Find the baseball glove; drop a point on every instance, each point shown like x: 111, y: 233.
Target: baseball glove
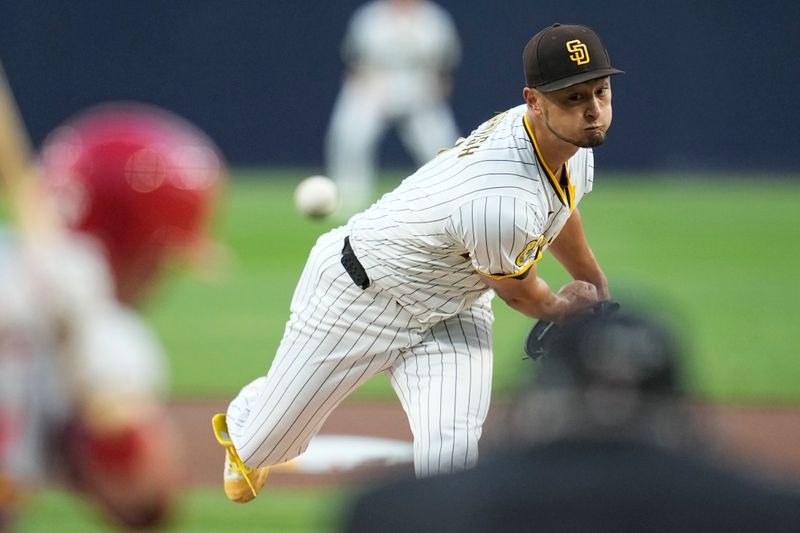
x: 544, y: 333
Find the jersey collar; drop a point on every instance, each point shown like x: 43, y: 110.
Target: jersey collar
x: 563, y: 188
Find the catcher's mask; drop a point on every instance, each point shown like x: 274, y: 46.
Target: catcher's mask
x: 606, y: 375
x: 138, y: 178
x: 619, y: 351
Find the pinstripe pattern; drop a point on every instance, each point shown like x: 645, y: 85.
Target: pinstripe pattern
x: 444, y: 383
x: 337, y: 337
x: 426, y: 241
x: 486, y: 205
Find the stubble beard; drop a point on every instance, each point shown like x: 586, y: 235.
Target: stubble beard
x: 598, y: 138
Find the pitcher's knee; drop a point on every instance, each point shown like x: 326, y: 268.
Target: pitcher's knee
x: 446, y: 456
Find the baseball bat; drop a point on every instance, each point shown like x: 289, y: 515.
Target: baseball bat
x: 33, y: 217
x: 28, y: 209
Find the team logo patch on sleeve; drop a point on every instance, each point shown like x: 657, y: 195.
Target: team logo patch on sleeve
x: 532, y: 250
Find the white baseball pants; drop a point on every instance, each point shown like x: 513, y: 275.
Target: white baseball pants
x: 337, y: 337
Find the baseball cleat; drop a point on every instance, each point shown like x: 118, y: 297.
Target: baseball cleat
x: 241, y: 483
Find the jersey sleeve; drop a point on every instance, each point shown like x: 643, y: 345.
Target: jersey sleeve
x: 503, y: 235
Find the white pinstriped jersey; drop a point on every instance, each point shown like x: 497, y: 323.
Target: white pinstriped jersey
x: 488, y: 205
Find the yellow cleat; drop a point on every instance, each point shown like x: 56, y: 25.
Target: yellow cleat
x: 241, y: 482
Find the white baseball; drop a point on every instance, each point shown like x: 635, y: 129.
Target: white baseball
x: 316, y: 196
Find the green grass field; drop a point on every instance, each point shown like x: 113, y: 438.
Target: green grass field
x: 199, y: 511
x: 717, y: 257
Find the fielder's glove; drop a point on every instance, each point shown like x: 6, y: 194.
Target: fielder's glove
x: 544, y: 333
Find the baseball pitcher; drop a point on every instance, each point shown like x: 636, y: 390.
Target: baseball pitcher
x: 405, y: 287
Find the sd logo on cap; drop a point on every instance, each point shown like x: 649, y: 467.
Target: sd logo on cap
x: 563, y: 55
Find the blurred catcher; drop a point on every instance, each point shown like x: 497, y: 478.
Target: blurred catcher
x: 84, y: 378
x: 602, y: 441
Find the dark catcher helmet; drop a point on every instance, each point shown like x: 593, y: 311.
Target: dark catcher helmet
x: 620, y: 351
x: 616, y: 375
x: 142, y: 180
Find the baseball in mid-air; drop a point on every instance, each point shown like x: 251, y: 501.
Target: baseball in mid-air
x: 316, y: 196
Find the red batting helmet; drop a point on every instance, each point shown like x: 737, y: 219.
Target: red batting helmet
x: 140, y: 179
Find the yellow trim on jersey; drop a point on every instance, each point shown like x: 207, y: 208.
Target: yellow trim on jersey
x: 515, y: 274
x: 568, y: 198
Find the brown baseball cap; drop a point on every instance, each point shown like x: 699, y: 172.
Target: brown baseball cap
x: 562, y: 55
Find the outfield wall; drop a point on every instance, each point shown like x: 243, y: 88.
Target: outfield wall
x: 708, y: 87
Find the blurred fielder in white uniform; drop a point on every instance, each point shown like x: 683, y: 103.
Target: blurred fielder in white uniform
x: 83, y: 379
x: 399, y: 55
x: 405, y: 287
